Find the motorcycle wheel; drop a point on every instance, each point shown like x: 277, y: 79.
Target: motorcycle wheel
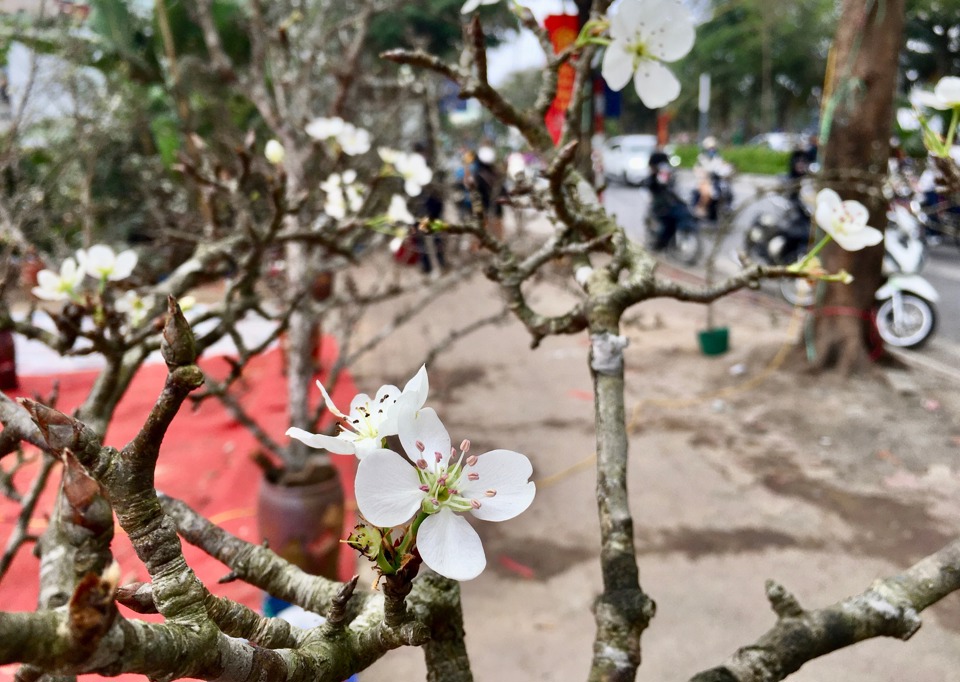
x: 798, y: 291
x: 911, y: 325
x: 687, y: 246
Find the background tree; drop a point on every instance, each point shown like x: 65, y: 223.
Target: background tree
x: 856, y: 126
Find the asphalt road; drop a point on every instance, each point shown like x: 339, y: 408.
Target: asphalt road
x: 942, y: 267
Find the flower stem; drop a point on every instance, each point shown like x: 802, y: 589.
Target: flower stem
x: 806, y: 260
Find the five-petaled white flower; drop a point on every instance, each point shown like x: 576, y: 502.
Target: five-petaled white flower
x: 440, y: 485
x: 342, y: 192
x: 945, y: 95
x: 52, y: 286
x: 101, y: 262
x: 471, y: 5
x: 362, y: 430
x: 398, y: 212
x: 644, y: 34
x: 845, y: 221
x: 411, y: 167
x: 353, y: 140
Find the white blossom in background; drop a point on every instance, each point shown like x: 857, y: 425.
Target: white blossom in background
x: 135, y: 307
x: 845, y: 221
x: 398, y: 212
x: 274, y: 152
x: 369, y: 421
x: 411, y: 167
x: 52, y: 286
x: 945, y: 95
x: 325, y: 128
x: 101, y: 262
x: 440, y: 484
x: 353, y: 140
x: 473, y: 5
x: 644, y: 34
x: 342, y: 193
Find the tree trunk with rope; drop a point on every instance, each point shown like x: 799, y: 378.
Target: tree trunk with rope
x: 860, y: 89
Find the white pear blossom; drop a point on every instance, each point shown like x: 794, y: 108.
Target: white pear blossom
x: 472, y: 5
x: 353, y: 140
x: 369, y: 421
x: 274, y: 152
x: 411, y: 167
x: 845, y: 221
x: 325, y: 128
x: 644, y: 34
x: 945, y: 95
x: 398, y: 212
x: 135, y: 307
x: 441, y: 485
x: 52, y: 286
x: 342, y: 193
x: 101, y: 262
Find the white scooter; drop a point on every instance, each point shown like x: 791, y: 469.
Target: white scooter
x: 906, y: 313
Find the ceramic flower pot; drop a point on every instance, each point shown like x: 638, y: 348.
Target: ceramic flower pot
x: 303, y: 523
x: 714, y: 341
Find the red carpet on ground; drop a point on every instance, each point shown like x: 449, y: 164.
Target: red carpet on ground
x: 205, y: 460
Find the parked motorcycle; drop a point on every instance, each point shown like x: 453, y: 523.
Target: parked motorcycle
x: 780, y: 235
x: 906, y: 313
x: 685, y: 244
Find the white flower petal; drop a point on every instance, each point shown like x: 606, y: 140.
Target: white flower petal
x: 857, y: 211
x: 948, y: 91
x: 469, y: 6
x: 424, y: 426
x: 124, y: 265
x: 419, y: 385
x: 337, y: 446
x: 617, y: 66
x: 669, y: 32
x: 923, y: 98
x: 387, y: 396
x: 862, y: 238
x: 627, y: 21
x: 329, y: 403
x: 507, y: 472
x: 387, y: 488
x: 450, y: 546
x: 412, y: 188
x: 48, y: 280
x: 656, y: 84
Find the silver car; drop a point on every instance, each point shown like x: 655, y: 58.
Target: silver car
x: 626, y: 158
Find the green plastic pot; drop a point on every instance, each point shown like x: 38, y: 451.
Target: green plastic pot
x: 714, y: 341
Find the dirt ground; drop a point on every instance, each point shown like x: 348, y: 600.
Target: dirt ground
x: 741, y: 470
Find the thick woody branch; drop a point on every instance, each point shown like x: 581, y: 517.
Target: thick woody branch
x: 888, y: 608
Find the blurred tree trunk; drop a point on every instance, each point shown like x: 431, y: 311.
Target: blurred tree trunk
x: 861, y: 87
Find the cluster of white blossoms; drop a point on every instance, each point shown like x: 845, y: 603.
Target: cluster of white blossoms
x: 99, y: 262
x: 343, y: 193
x: 414, y: 503
x: 352, y: 140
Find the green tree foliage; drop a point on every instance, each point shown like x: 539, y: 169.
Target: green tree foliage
x: 932, y: 37
x: 734, y: 45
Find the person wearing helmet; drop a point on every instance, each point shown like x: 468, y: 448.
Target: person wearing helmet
x: 711, y: 173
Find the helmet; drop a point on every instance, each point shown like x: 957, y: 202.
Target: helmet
x: 709, y: 142
x: 486, y: 155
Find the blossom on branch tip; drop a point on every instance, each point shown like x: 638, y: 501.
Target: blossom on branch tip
x: 845, y: 221
x: 411, y: 167
x: 134, y: 307
x: 644, y: 34
x: 438, y: 487
x: 52, y: 286
x: 368, y: 422
x: 101, y: 262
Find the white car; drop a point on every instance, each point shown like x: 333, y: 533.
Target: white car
x: 626, y: 158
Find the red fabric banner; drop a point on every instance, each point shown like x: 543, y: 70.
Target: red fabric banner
x: 563, y: 30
